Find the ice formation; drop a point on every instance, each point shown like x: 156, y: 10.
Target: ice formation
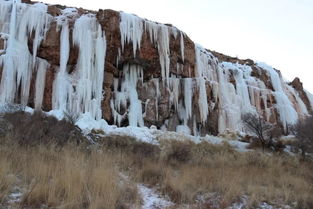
x: 81, y: 91
x: 18, y: 63
x: 159, y: 35
x: 182, y: 46
x: 180, y: 101
x: 131, y: 28
x: 132, y: 74
x: 188, y: 95
x: 203, y: 100
x: 287, y: 113
x: 42, y: 66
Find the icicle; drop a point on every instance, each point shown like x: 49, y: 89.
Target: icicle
x: 195, y: 128
x: 40, y: 82
x: 116, y: 116
x: 34, y: 19
x: 241, y: 85
x: 174, y: 31
x: 299, y: 104
x: 188, y: 91
x: 131, y: 28
x: 182, y: 46
x: 5, y: 9
x: 157, y: 96
x: 175, y: 91
x: 287, y: 113
x: 133, y: 74
x: 229, y: 104
x: 88, y: 36
x: 8, y: 83
x: 202, y: 72
x: 203, y: 66
x: 62, y: 88
x: 159, y: 34
x: 81, y: 92
x: 18, y: 64
x: 203, y: 101
x: 164, y: 52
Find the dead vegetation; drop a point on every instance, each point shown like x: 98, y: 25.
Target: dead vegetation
x: 67, y: 175
x: 64, y: 178
x: 217, y: 169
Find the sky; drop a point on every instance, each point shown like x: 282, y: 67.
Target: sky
x: 277, y: 32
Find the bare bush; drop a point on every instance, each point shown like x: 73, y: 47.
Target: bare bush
x: 71, y: 116
x: 304, y: 134
x: 255, y: 124
x: 38, y: 128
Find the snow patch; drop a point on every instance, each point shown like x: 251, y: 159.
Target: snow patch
x: 151, y: 199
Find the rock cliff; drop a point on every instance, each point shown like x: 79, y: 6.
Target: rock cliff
x: 132, y: 71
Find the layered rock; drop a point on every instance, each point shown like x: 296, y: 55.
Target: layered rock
x: 132, y: 71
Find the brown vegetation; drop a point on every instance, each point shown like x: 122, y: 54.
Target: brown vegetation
x: 64, y: 178
x: 304, y: 133
x: 84, y: 176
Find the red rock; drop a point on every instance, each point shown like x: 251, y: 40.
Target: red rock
x: 148, y: 58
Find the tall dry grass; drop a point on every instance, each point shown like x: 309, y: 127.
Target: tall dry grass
x: 64, y: 178
x: 186, y: 172
x: 72, y: 176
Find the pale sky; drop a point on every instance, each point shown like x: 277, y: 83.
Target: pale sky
x: 278, y: 32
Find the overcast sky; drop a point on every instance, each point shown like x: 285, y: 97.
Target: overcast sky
x: 278, y: 32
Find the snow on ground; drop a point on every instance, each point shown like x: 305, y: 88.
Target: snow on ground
x: 15, y: 196
x: 149, y: 135
x: 151, y: 199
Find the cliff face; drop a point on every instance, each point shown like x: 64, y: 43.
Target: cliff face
x: 132, y: 71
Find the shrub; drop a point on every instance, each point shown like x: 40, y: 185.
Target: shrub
x: 265, y: 132
x: 304, y: 134
x: 38, y: 128
x: 178, y: 151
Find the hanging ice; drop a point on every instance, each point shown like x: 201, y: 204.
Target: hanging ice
x: 131, y: 28
x: 62, y: 87
x: 42, y: 66
x: 241, y: 84
x: 81, y: 91
x: 298, y: 103
x: 89, y: 37
x: 229, y: 105
x: 175, y: 92
x: 203, y: 67
x: 287, y: 113
x: 159, y: 35
x: 132, y: 74
x: 18, y: 63
x: 203, y: 100
x: 182, y: 46
x: 202, y: 72
x: 188, y: 91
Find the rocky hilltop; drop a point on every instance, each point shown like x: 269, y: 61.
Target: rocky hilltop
x: 132, y: 71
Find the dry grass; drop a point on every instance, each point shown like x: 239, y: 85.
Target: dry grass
x: 76, y: 177
x: 217, y: 169
x: 66, y: 178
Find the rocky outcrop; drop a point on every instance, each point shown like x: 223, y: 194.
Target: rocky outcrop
x: 297, y: 85
x: 152, y: 74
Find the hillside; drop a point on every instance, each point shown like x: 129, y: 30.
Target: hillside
x: 46, y: 163
x: 134, y: 72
